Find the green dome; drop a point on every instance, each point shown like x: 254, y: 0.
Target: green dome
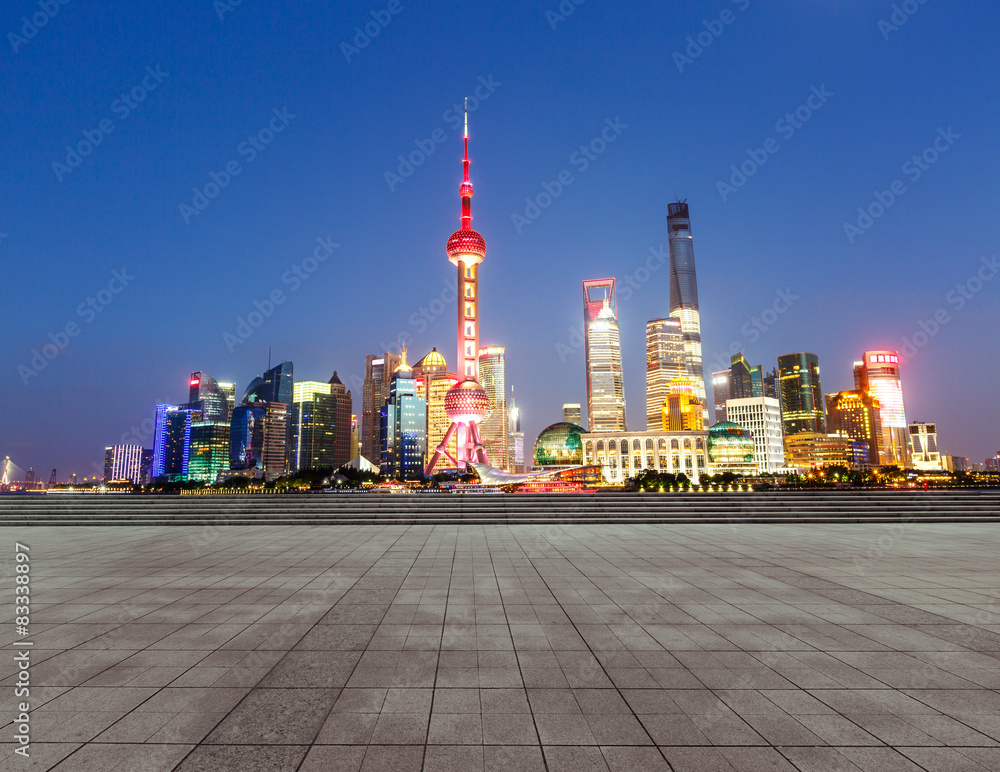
x: 560, y: 445
x: 729, y: 444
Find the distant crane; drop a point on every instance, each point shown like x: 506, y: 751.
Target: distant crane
x: 52, y: 479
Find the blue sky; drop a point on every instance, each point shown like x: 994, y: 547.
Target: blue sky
x: 187, y: 94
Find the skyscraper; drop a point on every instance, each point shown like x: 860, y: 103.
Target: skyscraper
x: 745, y: 380
x: 404, y: 426
x: 515, y: 461
x: 664, y: 362
x: 257, y: 439
x: 879, y: 373
x: 172, y: 442
x: 684, y: 292
x: 856, y: 414
x: 572, y: 413
x: 209, y: 397
x: 802, y: 406
x: 433, y: 383
x: 343, y: 404
x: 209, y: 453
x: 123, y: 462
x: 602, y: 341
x: 720, y: 393
x: 467, y: 402
x: 275, y: 386
x: 378, y: 372
x: 923, y: 440
x: 313, y: 426
x: 761, y: 416
x: 682, y: 410
x: 493, y: 429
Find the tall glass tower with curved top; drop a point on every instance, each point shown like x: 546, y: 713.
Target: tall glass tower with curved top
x: 684, y: 293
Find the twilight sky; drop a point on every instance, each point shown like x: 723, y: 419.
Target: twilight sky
x: 301, y: 121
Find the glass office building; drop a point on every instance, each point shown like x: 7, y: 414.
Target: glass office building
x: 802, y: 405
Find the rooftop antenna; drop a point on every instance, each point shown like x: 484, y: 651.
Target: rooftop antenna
x: 268, y: 357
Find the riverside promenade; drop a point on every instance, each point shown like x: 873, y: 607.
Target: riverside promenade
x: 864, y: 638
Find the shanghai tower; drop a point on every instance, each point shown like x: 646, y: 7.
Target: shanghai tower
x: 684, y: 293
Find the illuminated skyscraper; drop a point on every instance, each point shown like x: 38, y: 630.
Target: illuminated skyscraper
x: 879, y: 373
x: 209, y: 452
x: 515, y: 446
x: 493, y: 429
x: 664, y: 362
x: 923, y: 440
x: 856, y: 414
x: 343, y: 404
x: 720, y: 393
x: 573, y: 413
x: 257, y: 439
x: 210, y: 398
x: 682, y: 410
x: 355, y: 438
x: 802, y: 406
x: 467, y: 402
x: 275, y: 386
x: 684, y: 292
x: 761, y: 416
x: 172, y: 442
x: 313, y: 426
x: 605, y: 380
x: 404, y: 426
x: 378, y: 372
x: 123, y: 462
x: 433, y: 384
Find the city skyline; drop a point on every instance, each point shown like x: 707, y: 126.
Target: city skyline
x: 108, y: 378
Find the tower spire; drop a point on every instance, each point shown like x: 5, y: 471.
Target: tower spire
x: 466, y: 188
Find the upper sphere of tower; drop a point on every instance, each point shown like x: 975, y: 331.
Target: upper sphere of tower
x: 466, y: 241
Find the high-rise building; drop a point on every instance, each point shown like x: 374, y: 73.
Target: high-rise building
x: 404, y: 426
x: 343, y: 404
x: 684, y: 293
x: 275, y: 386
x: 772, y: 386
x: 879, y: 373
x: 378, y: 373
x: 682, y: 410
x: 573, y: 413
x: 493, y: 428
x: 605, y: 380
x: 313, y: 426
x: 515, y: 445
x: 923, y: 440
x: 802, y: 406
x: 146, y: 466
x: 123, y: 462
x: 665, y: 361
x: 745, y: 381
x: 355, y: 438
x: 808, y: 450
x: 856, y: 414
x: 210, y: 398
x: 720, y: 393
x: 433, y: 384
x: 467, y: 402
x: 209, y: 452
x: 761, y: 416
x: 257, y: 440
x: 172, y: 442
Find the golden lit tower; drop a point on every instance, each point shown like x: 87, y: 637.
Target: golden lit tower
x: 467, y: 402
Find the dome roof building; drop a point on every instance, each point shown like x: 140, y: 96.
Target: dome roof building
x: 559, y: 445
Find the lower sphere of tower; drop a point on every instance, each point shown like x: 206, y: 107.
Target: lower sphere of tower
x: 466, y: 401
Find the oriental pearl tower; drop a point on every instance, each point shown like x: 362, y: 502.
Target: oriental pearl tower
x: 466, y: 403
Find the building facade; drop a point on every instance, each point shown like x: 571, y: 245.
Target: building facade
x: 172, y: 442
x: 572, y: 413
x: 605, y: 379
x: 802, y: 405
x: 123, y: 462
x: 682, y: 410
x: 856, y: 414
x: 404, y: 426
x: 314, y: 420
x: 879, y: 373
x: 684, y: 293
x: 257, y: 439
x: 665, y: 361
x: 923, y: 441
x: 745, y: 380
x: 761, y: 417
x: 493, y: 429
x: 209, y: 452
x: 622, y: 455
x: 808, y: 450
x: 720, y: 393
x: 516, y: 463
x: 214, y: 400
x: 374, y: 393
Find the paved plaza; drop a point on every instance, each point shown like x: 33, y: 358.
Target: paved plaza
x: 572, y: 648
